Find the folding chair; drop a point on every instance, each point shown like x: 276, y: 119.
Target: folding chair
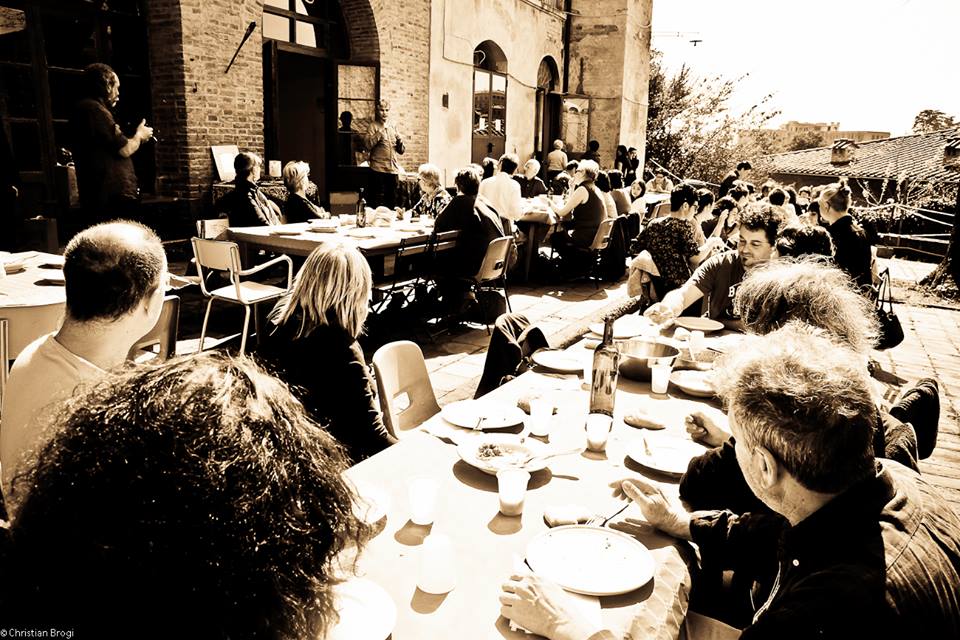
x: 225, y: 256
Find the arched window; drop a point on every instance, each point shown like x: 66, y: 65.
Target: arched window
x: 489, y: 101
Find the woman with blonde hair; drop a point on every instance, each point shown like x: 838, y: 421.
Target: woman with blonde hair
x: 852, y: 249
x: 435, y: 198
x: 297, y: 208
x: 313, y: 347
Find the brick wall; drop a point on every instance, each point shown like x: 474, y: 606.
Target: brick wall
x: 404, y: 30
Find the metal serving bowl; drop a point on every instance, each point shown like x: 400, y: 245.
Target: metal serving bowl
x: 638, y: 355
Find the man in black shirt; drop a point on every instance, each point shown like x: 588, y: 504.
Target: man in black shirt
x: 102, y: 154
x: 856, y: 547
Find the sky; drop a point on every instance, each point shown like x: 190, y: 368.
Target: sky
x: 868, y: 64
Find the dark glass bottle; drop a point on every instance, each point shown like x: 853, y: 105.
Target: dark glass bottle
x: 606, y: 369
x: 361, y: 210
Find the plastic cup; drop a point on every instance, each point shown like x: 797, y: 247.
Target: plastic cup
x: 541, y: 414
x: 598, y: 430
x: 512, y: 489
x: 660, y: 378
x: 423, y: 500
x: 695, y: 343
x: 437, y: 565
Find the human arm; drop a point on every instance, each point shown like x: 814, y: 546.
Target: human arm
x: 711, y: 431
x: 674, y: 303
x: 578, y: 197
x: 133, y: 143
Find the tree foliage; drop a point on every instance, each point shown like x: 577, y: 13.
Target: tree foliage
x: 691, y: 129
x: 805, y: 140
x: 930, y: 120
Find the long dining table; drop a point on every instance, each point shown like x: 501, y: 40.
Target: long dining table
x: 487, y: 544
x: 32, y: 300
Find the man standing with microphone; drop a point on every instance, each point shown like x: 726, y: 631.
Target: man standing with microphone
x: 102, y: 153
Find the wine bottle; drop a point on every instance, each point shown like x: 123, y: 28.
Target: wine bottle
x: 361, y: 210
x: 606, y: 369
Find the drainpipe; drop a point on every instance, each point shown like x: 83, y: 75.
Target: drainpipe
x: 567, y: 9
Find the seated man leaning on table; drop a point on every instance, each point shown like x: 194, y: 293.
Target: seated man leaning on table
x: 247, y: 205
x: 719, y: 277
x: 115, y: 275
x: 856, y: 547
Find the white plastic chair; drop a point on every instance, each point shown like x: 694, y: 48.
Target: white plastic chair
x: 493, y: 270
x: 407, y: 398
x: 225, y: 256
x: 163, y: 334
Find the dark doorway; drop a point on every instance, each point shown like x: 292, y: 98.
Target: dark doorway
x: 301, y: 112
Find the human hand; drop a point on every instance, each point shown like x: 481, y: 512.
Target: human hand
x: 144, y: 132
x: 657, y: 508
x: 544, y: 608
x: 703, y: 428
x: 659, y: 313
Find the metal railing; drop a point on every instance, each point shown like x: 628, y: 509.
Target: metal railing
x: 930, y: 244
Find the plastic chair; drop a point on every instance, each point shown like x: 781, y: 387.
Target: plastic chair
x: 225, y: 256
x: 601, y: 240
x: 163, y: 334
x: 343, y: 202
x: 213, y: 228
x: 493, y: 269
x: 407, y: 398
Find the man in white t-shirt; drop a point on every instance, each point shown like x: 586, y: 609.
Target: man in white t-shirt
x: 503, y: 192
x: 115, y: 276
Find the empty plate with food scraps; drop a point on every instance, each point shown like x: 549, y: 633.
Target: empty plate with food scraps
x: 664, y: 453
x: 594, y: 561
x: 482, y: 415
x: 491, y: 453
x: 694, y: 383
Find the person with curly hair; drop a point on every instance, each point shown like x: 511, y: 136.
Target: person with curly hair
x: 194, y: 499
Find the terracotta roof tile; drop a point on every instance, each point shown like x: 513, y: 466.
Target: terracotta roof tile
x: 917, y: 157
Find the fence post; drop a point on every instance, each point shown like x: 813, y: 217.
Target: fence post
x: 896, y: 211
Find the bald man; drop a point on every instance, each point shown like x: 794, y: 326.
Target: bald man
x: 115, y: 277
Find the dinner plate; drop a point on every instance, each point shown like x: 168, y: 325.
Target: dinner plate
x: 625, y: 327
x: 13, y: 267
x: 409, y: 227
x: 698, y: 324
x: 366, y: 611
x: 693, y: 383
x: 593, y: 561
x: 558, y: 360
x: 482, y: 415
x: 727, y: 343
x: 284, y: 232
x: 667, y: 454
x: 490, y: 453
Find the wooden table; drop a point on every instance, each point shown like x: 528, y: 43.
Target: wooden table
x: 486, y: 542
x: 31, y: 304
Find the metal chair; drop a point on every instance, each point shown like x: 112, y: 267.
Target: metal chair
x: 163, y: 334
x: 225, y: 256
x: 406, y: 395
x: 404, y: 277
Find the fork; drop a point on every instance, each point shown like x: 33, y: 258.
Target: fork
x: 601, y: 521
